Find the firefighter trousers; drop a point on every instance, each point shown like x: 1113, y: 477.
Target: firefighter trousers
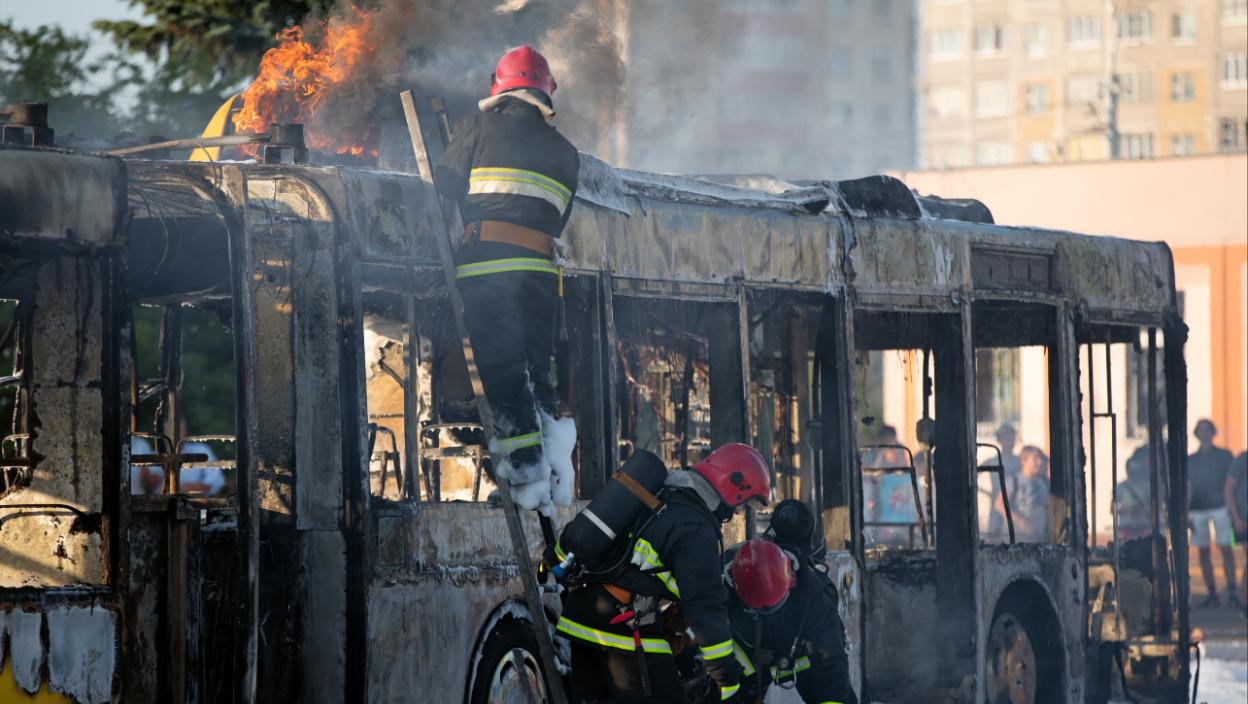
x: 510, y: 309
x: 612, y: 675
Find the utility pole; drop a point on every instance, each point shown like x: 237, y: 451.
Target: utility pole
x: 1111, y: 130
x: 1113, y: 84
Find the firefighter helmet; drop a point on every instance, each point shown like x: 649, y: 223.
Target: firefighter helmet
x: 737, y: 473
x: 522, y: 67
x: 762, y: 574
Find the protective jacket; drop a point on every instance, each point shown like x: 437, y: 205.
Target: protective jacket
x: 801, y: 644
x: 673, y: 556
x: 506, y: 163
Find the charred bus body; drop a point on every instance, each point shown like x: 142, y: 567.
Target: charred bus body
x: 352, y: 555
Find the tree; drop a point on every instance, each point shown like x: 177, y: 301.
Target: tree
x: 45, y: 64
x: 207, y: 44
x: 201, y: 51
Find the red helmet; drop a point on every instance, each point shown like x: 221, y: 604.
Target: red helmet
x: 762, y: 575
x: 737, y: 473
x: 522, y: 67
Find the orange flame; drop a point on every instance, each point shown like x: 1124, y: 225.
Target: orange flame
x: 294, y: 76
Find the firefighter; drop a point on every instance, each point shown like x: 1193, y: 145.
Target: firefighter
x: 786, y: 626
x: 672, y: 554
x: 513, y: 176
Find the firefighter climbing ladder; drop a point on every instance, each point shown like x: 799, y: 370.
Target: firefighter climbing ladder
x: 449, y: 215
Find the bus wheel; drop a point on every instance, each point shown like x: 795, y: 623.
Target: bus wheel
x: 1011, y: 666
x: 510, y: 670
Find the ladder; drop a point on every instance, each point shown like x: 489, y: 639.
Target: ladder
x: 448, y: 213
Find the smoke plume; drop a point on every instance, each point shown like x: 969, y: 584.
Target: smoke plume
x: 448, y: 48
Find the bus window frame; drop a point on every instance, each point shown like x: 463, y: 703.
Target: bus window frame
x: 1063, y: 425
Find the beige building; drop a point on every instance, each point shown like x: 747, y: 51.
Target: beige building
x: 1022, y: 81
x: 1199, y: 206
x: 796, y: 88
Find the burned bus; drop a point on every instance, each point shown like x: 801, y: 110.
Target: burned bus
x: 324, y: 530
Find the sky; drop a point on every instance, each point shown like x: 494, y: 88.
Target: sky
x: 73, y: 15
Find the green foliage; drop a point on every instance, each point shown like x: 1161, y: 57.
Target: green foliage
x: 207, y: 373
x: 207, y: 392
x: 46, y: 64
x: 197, y: 54
x: 209, y: 43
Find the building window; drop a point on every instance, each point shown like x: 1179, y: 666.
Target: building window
x: 843, y: 115
x: 1036, y: 97
x: 1182, y: 144
x: 946, y: 156
x: 992, y: 153
x: 1135, y: 86
x: 991, y: 99
x: 1036, y: 39
x: 840, y: 63
x: 1086, y: 148
x: 1081, y: 90
x: 990, y: 40
x: 840, y: 9
x: 1232, y: 134
x: 882, y: 116
x: 1234, y: 11
x: 1183, y: 26
x: 1234, y: 70
x: 945, y: 44
x: 1182, y: 87
x: 1038, y: 153
x: 1137, y: 146
x: 947, y: 101
x: 882, y: 65
x: 1083, y: 32
x: 883, y: 8
x: 1135, y: 26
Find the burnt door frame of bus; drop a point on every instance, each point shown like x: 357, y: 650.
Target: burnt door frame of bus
x: 813, y: 307
x: 1175, y: 371
x: 1061, y: 362
x: 730, y: 302
x: 957, y: 561
x: 233, y: 189
x: 1174, y: 333
x: 115, y: 484
x: 838, y: 437
x: 114, y: 516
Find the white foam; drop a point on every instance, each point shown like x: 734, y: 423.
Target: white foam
x: 534, y: 496
x: 558, y: 442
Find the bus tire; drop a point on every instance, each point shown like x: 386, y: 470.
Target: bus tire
x: 509, y: 666
x: 1022, y: 655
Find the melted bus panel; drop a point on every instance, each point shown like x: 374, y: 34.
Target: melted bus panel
x: 351, y: 552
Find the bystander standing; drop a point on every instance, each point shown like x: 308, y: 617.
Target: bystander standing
x: 1207, y: 512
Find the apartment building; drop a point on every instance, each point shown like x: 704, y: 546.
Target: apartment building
x: 795, y: 88
x: 1034, y: 81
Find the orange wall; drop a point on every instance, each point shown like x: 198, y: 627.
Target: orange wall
x: 1197, y: 205
x: 1226, y: 355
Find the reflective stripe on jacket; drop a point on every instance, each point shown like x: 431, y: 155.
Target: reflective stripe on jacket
x: 678, y: 552
x: 508, y: 164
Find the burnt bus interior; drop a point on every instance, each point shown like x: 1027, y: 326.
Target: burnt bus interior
x: 1135, y: 587
x: 247, y: 323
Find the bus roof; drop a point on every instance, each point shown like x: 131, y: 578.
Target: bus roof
x: 871, y: 235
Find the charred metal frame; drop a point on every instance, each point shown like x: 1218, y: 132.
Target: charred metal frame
x: 964, y: 588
